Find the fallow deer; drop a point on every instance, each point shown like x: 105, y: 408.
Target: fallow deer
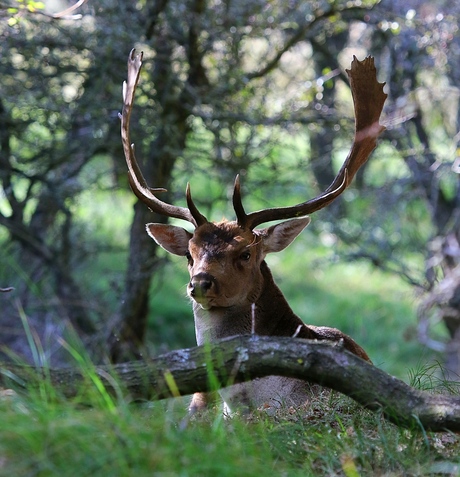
x: 231, y: 286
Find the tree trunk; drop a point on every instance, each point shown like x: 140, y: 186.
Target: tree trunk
x: 127, y: 335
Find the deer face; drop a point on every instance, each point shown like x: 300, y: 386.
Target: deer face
x: 224, y: 259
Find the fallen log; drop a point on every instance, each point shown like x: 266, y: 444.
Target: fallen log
x: 242, y: 358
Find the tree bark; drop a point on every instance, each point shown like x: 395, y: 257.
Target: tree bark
x: 242, y: 358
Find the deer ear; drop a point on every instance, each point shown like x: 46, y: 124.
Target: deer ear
x: 173, y: 239
x: 279, y: 236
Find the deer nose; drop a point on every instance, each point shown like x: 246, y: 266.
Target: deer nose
x: 200, y: 284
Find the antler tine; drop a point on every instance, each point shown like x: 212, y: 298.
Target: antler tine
x: 368, y: 99
x: 136, y: 179
x: 200, y: 219
x: 241, y: 216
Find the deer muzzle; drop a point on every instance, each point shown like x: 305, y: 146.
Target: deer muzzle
x: 200, y: 285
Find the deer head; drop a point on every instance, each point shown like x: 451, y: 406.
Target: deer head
x: 225, y: 258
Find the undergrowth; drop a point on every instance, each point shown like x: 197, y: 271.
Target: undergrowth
x: 98, y: 434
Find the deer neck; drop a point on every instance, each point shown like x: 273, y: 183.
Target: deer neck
x: 269, y: 314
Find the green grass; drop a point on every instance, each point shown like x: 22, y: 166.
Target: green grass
x: 332, y: 436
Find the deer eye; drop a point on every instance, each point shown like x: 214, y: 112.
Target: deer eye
x: 245, y: 256
x: 189, y: 258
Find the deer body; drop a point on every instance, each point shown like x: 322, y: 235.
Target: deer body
x: 234, y: 293
x: 231, y: 286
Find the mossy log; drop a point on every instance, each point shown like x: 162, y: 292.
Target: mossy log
x: 242, y: 358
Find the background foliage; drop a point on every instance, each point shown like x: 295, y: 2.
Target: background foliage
x: 256, y: 88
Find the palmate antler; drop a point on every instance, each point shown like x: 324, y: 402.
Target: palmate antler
x: 368, y: 99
